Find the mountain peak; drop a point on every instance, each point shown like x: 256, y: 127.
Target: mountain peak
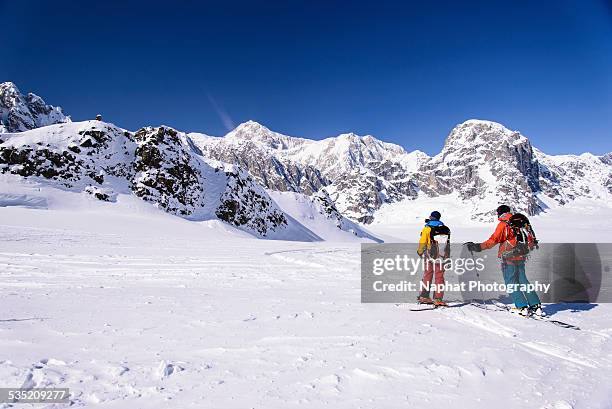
x: 481, y: 125
x: 9, y: 86
x: 250, y: 124
x: 21, y: 113
x: 349, y: 136
x: 249, y: 130
x: 255, y: 132
x: 477, y: 132
x: 484, y: 122
x: 353, y: 137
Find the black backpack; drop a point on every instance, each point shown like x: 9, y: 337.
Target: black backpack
x: 525, y: 236
x: 434, y: 251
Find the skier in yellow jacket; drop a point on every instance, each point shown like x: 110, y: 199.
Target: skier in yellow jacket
x: 433, y: 264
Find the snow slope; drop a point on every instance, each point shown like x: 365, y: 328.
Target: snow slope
x: 320, y: 216
x: 160, y: 312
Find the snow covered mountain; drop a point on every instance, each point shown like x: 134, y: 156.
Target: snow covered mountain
x: 20, y: 112
x: 488, y: 164
x: 254, y: 148
x: 481, y: 165
x: 156, y: 164
x: 160, y: 166
x: 482, y: 161
x: 358, y: 172
x: 568, y: 177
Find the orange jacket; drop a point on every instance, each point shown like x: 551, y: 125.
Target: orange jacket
x: 502, y: 235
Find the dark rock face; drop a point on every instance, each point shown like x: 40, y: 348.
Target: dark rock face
x: 327, y: 207
x: 244, y: 204
x: 166, y: 173
x: 358, y: 195
x: 40, y: 162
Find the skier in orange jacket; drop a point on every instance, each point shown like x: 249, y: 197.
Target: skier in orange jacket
x: 513, y: 266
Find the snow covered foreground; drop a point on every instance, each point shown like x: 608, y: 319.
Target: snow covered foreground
x: 152, y: 312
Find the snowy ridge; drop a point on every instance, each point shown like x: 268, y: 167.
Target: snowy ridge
x: 485, y: 163
x: 256, y: 132
x: 20, y: 112
x: 359, y: 172
x: 567, y: 177
x: 155, y: 164
x: 159, y: 165
x: 319, y: 214
x: 481, y: 165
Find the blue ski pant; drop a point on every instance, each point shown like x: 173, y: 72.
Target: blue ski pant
x: 514, y: 273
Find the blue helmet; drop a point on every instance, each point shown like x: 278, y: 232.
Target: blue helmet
x: 435, y: 215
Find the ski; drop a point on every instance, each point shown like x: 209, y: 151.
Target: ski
x: 558, y: 323
x: 428, y: 307
x: 425, y: 307
x: 483, y: 306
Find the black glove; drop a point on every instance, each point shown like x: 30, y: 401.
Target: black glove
x: 471, y: 246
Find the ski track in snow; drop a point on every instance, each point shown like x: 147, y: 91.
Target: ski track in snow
x: 154, y: 323
x: 486, y: 323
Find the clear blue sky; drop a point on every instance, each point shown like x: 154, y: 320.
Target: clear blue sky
x: 406, y: 73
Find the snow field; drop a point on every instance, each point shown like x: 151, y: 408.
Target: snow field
x: 198, y: 317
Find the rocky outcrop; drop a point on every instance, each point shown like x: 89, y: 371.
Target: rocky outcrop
x: 20, y: 112
x: 166, y: 173
x: 245, y: 204
x: 82, y: 162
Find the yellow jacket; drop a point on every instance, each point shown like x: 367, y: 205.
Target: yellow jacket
x: 425, y: 241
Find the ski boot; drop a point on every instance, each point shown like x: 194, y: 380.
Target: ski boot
x: 537, y: 310
x: 424, y: 300
x: 522, y: 311
x: 438, y: 302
